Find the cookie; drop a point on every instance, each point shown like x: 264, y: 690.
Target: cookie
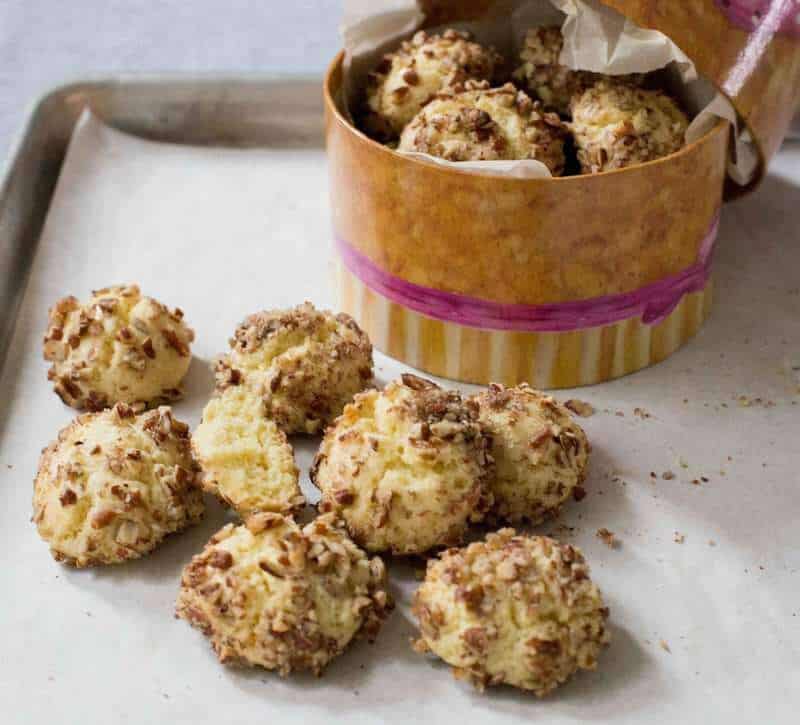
x: 487, y: 124
x: 405, y: 468
x: 114, y: 484
x: 305, y: 362
x: 422, y: 67
x: 271, y: 594
x: 540, y: 452
x: 616, y: 125
x: 118, y: 347
x: 515, y: 610
x: 245, y: 459
x: 542, y: 74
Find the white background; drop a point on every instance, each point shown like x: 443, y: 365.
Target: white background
x: 47, y: 42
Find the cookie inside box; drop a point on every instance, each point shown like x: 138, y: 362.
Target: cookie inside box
x: 528, y: 90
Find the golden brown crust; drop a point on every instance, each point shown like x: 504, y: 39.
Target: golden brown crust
x: 114, y: 484
x: 546, y: 79
x: 306, y: 363
x: 616, y: 125
x: 540, y: 453
x: 513, y: 609
x: 422, y: 67
x: 405, y: 468
x: 480, y: 123
x: 544, y: 76
x: 270, y: 594
x: 117, y: 347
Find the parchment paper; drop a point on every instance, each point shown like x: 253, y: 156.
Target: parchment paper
x: 223, y: 233
x: 596, y: 38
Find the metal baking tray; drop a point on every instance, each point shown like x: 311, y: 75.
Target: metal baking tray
x: 239, y: 111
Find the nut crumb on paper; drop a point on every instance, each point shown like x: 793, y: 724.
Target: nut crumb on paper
x: 679, y: 538
x: 746, y: 401
x: 668, y: 475
x: 580, y: 407
x: 562, y: 531
x: 641, y: 413
x: 664, y: 646
x: 609, y: 538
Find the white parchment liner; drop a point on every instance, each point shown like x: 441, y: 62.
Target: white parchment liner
x: 596, y: 38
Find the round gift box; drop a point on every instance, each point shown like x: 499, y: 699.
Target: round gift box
x: 558, y: 282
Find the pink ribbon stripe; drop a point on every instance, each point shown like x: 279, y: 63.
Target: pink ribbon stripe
x: 652, y: 303
x: 782, y: 16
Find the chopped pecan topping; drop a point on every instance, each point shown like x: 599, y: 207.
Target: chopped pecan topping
x: 103, y: 518
x: 580, y: 408
x: 147, y: 347
x: 343, y: 496
x: 220, y: 559
x: 175, y: 342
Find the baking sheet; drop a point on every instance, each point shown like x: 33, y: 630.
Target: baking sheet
x: 225, y: 232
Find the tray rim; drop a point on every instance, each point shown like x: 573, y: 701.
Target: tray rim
x: 72, y: 83
x: 35, y: 110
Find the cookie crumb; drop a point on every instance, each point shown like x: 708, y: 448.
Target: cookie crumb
x: 609, y: 538
x: 641, y: 413
x: 664, y: 646
x: 668, y: 475
x: 580, y: 408
x: 679, y: 538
